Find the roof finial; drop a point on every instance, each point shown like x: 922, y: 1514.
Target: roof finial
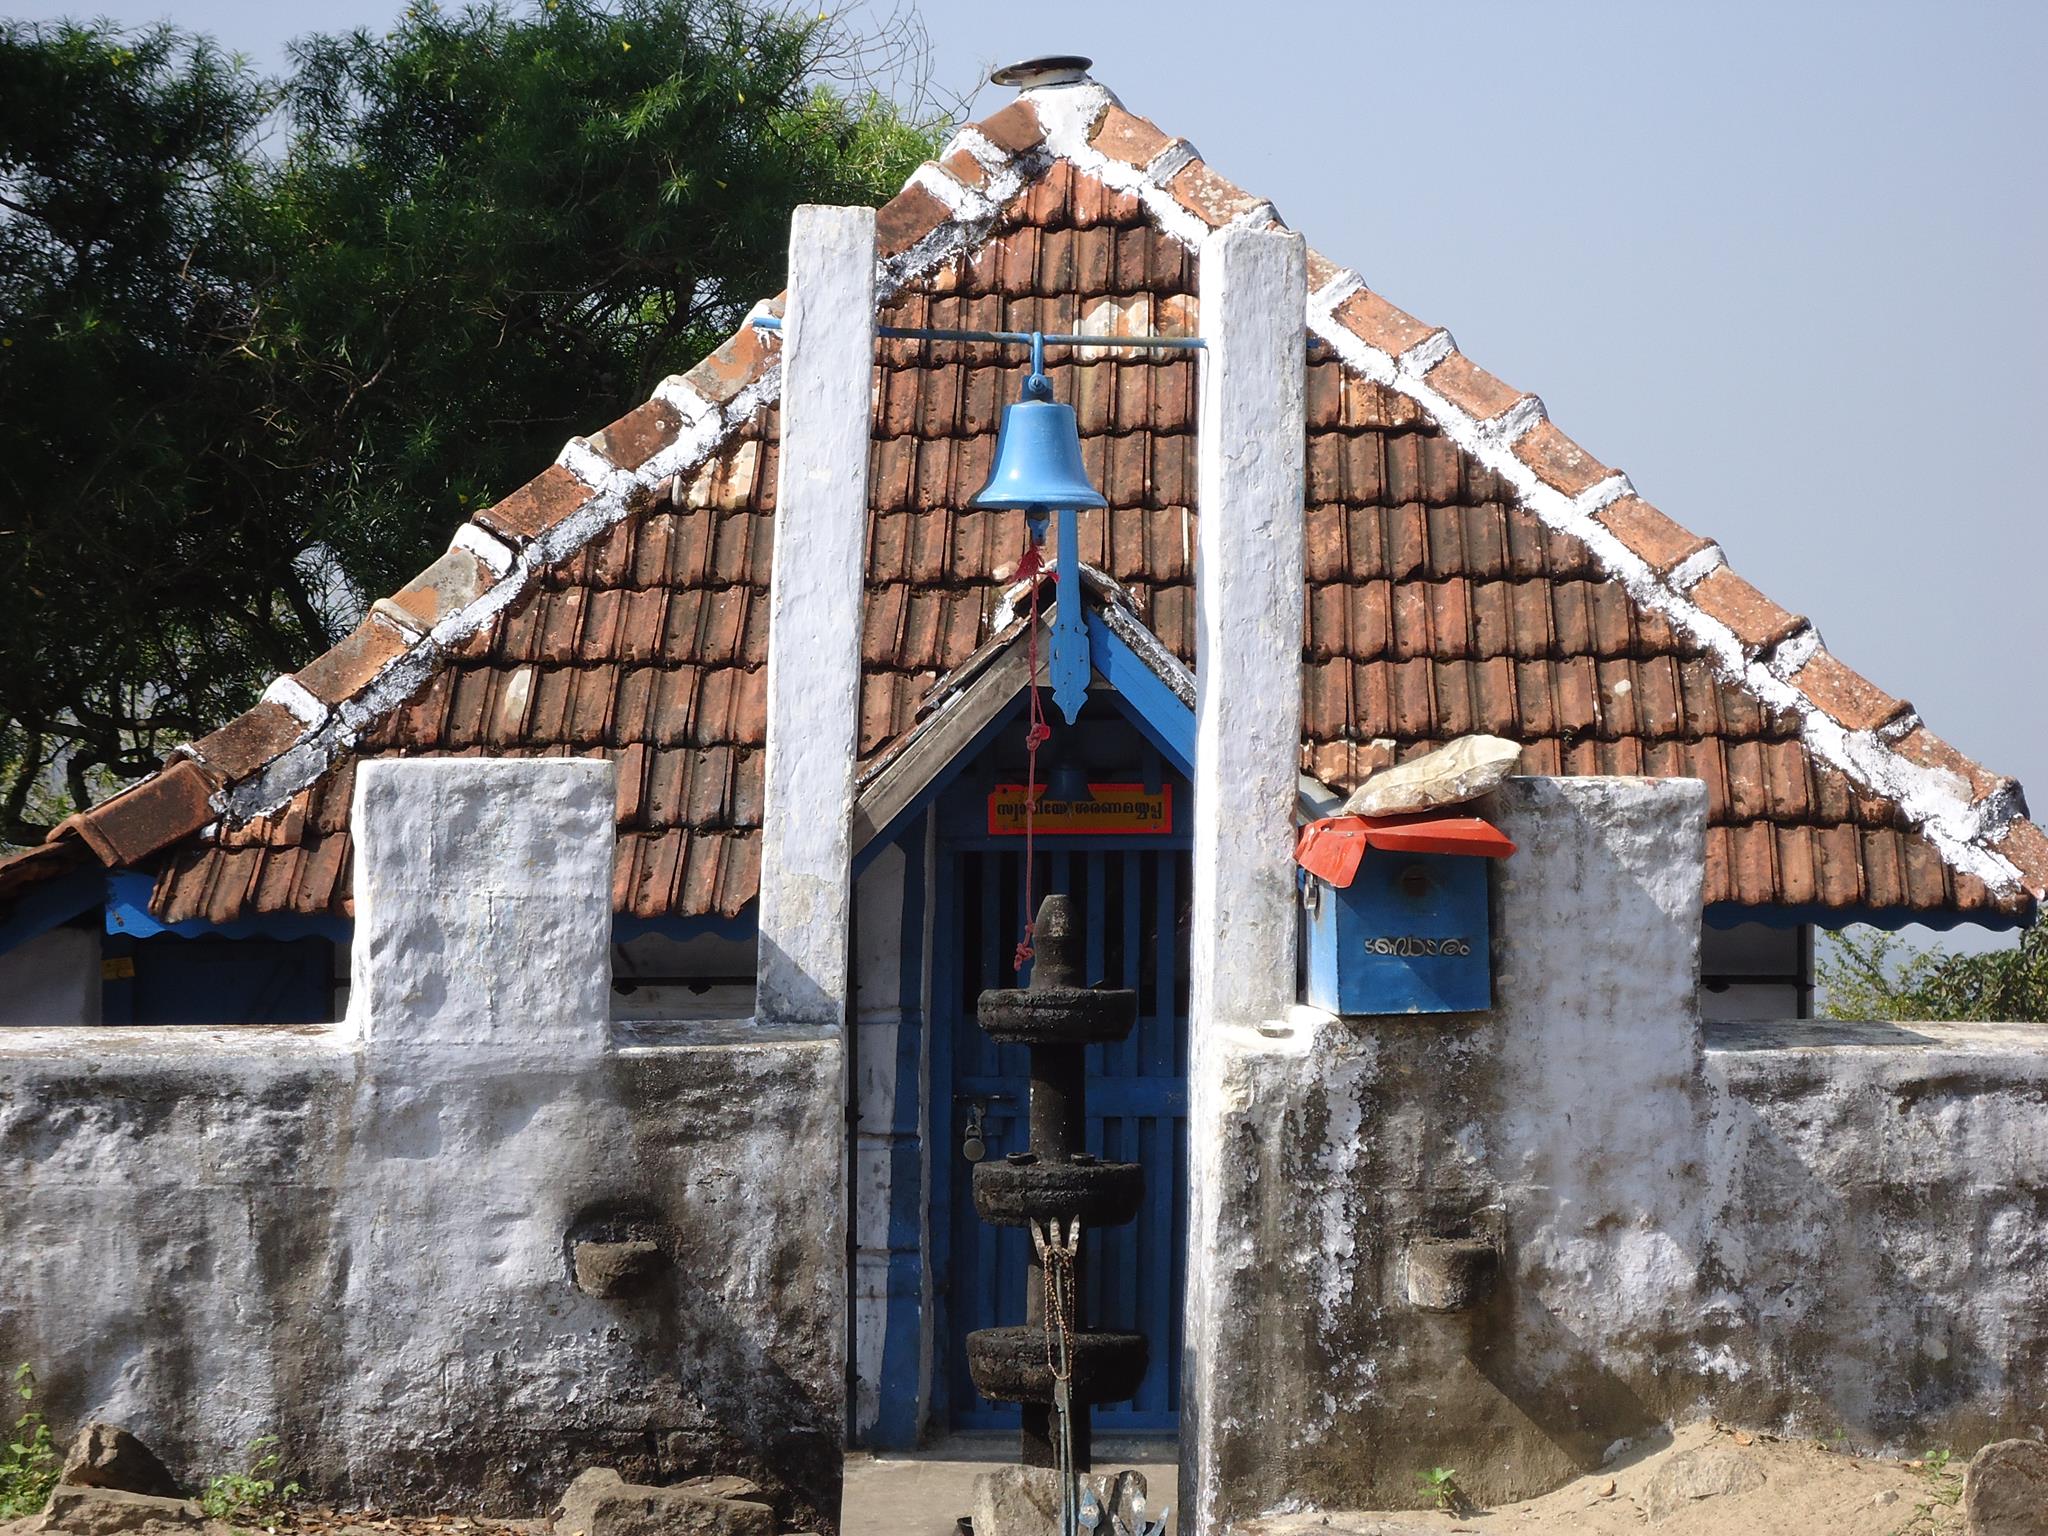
x: 1053, y: 69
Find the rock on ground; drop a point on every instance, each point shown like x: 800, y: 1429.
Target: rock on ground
x: 107, y: 1456
x: 1025, y: 1501
x: 2005, y: 1492
x: 601, y: 1503
x: 1704, y: 1472
x: 112, y: 1512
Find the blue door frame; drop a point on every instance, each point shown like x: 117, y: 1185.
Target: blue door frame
x: 1132, y: 892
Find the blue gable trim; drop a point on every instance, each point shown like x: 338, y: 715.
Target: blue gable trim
x: 128, y: 915
x: 1727, y: 914
x: 1153, y: 707
x: 740, y: 929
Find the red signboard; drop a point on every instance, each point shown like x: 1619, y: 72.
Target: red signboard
x: 1119, y: 809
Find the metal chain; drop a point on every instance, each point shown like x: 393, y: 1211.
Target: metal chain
x: 1057, y: 1262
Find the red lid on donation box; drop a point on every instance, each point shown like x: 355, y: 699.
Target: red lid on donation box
x: 1333, y: 848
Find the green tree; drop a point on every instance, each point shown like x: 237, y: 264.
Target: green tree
x: 262, y: 343
x: 1870, y: 974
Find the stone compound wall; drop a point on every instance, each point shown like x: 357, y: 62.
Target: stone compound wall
x: 1849, y: 1237
x: 360, y: 1237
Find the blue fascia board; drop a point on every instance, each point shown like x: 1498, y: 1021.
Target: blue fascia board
x: 1730, y: 914
x: 1153, y: 707
x: 127, y: 897
x: 740, y: 929
x: 50, y: 904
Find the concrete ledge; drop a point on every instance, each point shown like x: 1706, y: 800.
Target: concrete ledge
x: 1833, y: 1035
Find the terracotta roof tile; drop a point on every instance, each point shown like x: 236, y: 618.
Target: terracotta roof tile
x: 350, y: 666
x: 1661, y: 543
x: 1127, y: 137
x: 1213, y: 199
x: 1758, y: 622
x: 540, y: 504
x: 250, y: 740
x: 1471, y: 388
x: 1379, y: 324
x: 153, y: 814
x: 1015, y: 129
x: 1559, y: 462
x: 639, y: 435
x: 1435, y: 602
x: 1845, y: 694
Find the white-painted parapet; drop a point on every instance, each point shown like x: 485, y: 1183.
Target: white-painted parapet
x: 815, y: 617
x: 1254, y: 282
x: 483, y: 906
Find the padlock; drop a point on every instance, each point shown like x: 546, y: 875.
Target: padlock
x: 973, y: 1142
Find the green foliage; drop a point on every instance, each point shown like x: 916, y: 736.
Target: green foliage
x: 28, y: 1461
x: 255, y: 1495
x: 1868, y: 974
x: 263, y: 343
x: 1440, y: 1486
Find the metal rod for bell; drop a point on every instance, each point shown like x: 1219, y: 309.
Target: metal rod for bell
x: 1014, y: 338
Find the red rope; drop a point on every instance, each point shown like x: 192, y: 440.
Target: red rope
x: 1028, y: 569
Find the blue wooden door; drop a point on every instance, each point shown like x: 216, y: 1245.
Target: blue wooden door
x: 1132, y: 897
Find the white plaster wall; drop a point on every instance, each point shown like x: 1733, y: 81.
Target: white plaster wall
x: 878, y: 1023
x: 1802, y: 1228
x: 359, y: 1238
x: 52, y: 979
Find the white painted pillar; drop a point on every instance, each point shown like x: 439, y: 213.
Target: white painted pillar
x: 1248, y: 605
x: 1248, y: 602
x: 483, y: 908
x: 828, y: 333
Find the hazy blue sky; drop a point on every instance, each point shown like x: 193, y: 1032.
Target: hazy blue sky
x: 1783, y: 263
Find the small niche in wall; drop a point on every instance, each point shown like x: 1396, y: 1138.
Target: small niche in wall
x: 697, y: 976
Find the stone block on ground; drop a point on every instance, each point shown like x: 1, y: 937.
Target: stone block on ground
x: 601, y: 1503
x: 1025, y: 1501
x: 108, y: 1511
x: 107, y: 1456
x: 1704, y: 1472
x: 2005, y: 1491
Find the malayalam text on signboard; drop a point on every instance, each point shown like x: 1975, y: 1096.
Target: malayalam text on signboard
x: 1116, y: 808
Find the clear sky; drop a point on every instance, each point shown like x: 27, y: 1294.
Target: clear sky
x: 1783, y: 263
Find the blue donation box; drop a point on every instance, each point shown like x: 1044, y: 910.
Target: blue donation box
x: 1395, y: 912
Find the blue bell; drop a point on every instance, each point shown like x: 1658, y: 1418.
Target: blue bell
x: 1038, y: 458
x: 1038, y: 470
x: 1068, y: 781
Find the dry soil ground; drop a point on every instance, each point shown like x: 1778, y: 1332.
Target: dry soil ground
x: 1793, y: 1488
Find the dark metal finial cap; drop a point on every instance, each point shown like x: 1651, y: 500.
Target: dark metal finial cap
x: 1053, y: 69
